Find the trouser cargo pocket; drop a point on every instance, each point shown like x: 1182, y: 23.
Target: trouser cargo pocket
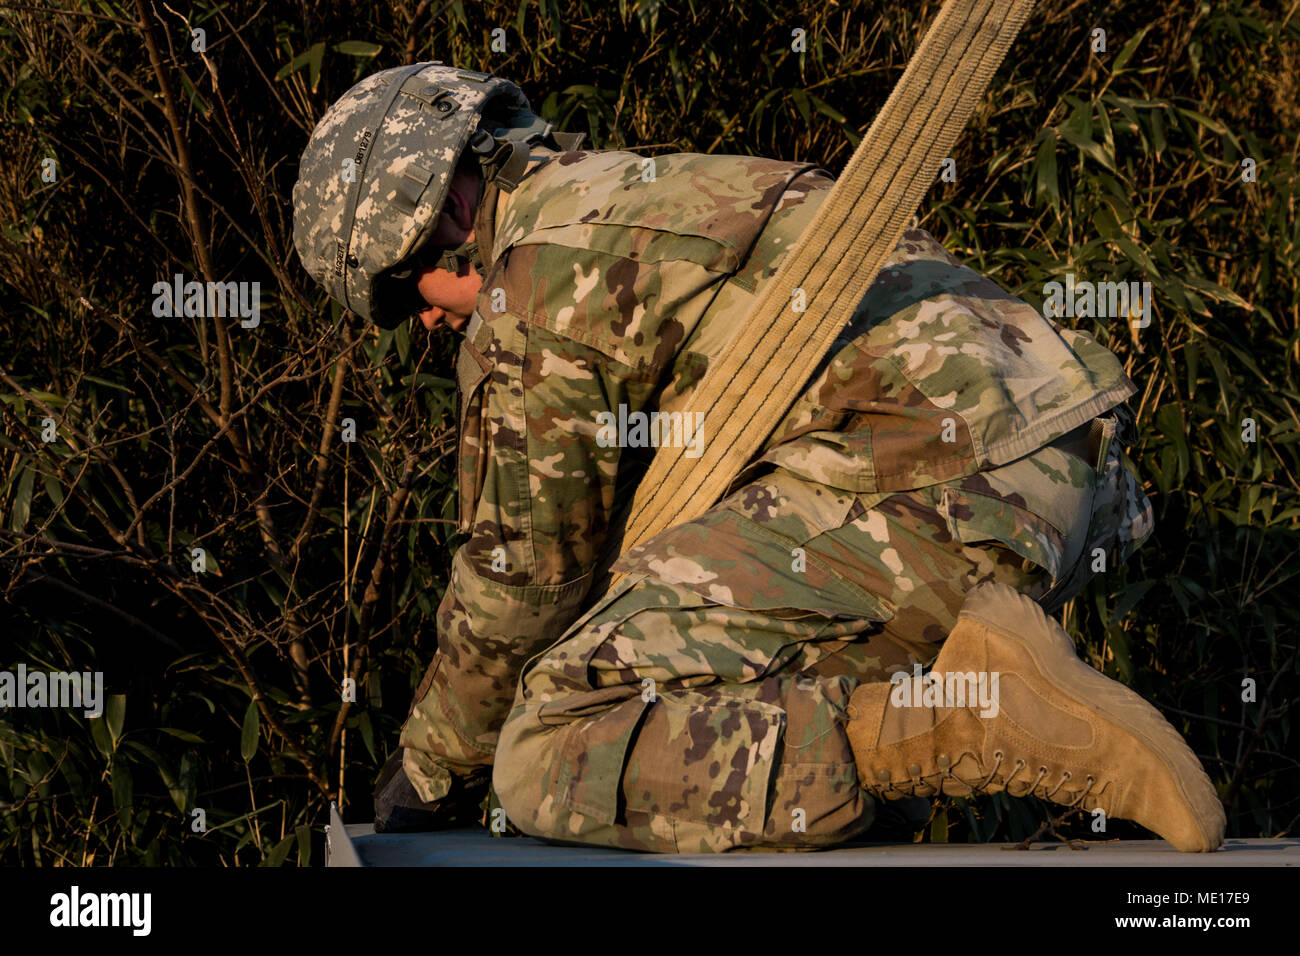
x: 703, y: 760
x: 687, y: 757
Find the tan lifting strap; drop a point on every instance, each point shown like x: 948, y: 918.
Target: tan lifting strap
x: 749, y: 388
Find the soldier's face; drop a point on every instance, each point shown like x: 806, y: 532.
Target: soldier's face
x: 451, y: 296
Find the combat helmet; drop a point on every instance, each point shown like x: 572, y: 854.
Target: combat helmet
x: 376, y: 171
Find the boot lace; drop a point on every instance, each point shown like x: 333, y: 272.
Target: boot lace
x: 919, y: 782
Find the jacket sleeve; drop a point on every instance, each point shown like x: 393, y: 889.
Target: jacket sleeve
x: 538, y: 491
x: 538, y: 480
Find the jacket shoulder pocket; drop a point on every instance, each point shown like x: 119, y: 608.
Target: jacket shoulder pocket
x: 974, y: 518
x: 473, y: 370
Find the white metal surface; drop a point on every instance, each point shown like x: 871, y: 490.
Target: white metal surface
x: 476, y: 847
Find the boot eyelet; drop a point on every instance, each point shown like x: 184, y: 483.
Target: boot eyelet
x: 914, y: 770
x: 883, y: 776
x: 943, y: 761
x: 998, y: 754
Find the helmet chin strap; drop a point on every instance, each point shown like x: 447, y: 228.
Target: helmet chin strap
x: 455, y: 258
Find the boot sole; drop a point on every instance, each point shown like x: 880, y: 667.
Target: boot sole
x: 995, y: 604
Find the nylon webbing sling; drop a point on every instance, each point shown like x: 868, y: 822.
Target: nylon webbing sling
x: 748, y: 389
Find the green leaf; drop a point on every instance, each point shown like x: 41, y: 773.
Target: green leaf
x: 303, y: 835
x: 115, y: 716
x: 182, y: 734
x: 1128, y: 600
x: 939, y: 826
x: 100, y: 735
x: 383, y: 342
x: 1119, y: 646
x: 22, y: 500
x: 53, y: 489
x: 248, y: 735
x: 801, y: 103
x: 367, y: 734
x: 1047, y: 186
x: 311, y: 59
x: 1201, y: 119
x: 69, y: 769
x: 123, y: 790
x: 193, y: 94
x: 1089, y: 148
x: 183, y: 794
x: 1105, y: 222
x: 426, y: 381
x: 1129, y: 114
x: 1157, y: 132
x: 402, y: 339
x: 155, y: 759
x: 37, y: 768
x: 103, y: 381
x: 1129, y: 48
x: 1216, y: 291
x: 1192, y: 358
x: 827, y: 110
x: 272, y: 590
x: 1136, y: 255
x: 647, y: 14
x: 280, y: 852
x: 358, y: 48
x: 210, y: 563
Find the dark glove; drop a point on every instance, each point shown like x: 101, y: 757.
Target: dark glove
x: 399, y: 809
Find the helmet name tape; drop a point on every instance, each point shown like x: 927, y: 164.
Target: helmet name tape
x: 351, y: 212
x: 362, y: 145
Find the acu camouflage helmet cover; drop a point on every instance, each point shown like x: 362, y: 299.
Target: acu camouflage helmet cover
x: 375, y: 173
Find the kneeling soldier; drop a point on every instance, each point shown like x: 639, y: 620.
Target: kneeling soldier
x: 952, y: 471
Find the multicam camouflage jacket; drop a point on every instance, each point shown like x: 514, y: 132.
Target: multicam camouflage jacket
x: 607, y: 291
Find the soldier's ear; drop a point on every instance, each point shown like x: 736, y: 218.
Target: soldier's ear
x: 457, y: 216
x: 456, y: 220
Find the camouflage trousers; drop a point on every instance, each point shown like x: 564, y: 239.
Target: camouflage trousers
x: 700, y: 705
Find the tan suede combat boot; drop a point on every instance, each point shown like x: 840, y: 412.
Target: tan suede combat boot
x: 1051, y: 726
